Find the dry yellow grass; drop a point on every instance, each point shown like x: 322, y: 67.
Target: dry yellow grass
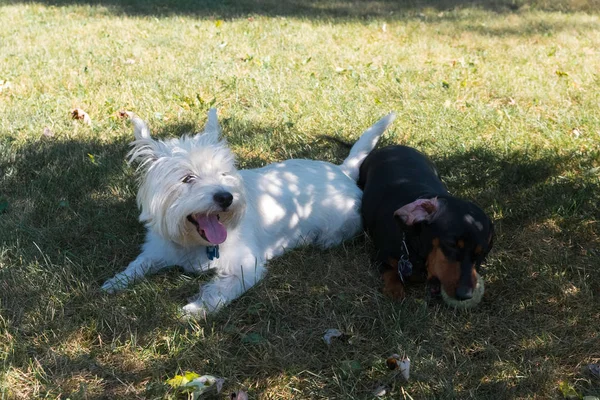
x: 503, y: 95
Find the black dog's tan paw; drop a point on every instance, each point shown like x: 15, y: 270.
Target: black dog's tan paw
x: 393, y: 286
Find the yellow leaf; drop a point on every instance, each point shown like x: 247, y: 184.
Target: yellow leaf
x: 218, y: 23
x: 177, y: 381
x: 190, y: 376
x: 568, y: 391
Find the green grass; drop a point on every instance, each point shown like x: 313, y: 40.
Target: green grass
x: 503, y: 95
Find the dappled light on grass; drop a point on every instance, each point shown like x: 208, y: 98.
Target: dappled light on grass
x: 504, y: 101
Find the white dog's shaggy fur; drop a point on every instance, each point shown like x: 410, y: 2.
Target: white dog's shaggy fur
x: 193, y: 202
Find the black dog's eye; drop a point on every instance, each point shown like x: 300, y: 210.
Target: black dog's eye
x: 225, y: 174
x: 189, y: 178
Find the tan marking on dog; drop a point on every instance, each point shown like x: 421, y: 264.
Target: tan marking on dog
x: 392, y: 285
x: 446, y: 271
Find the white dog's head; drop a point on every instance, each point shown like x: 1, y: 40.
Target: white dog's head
x: 190, y: 191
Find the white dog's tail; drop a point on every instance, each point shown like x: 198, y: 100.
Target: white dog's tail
x: 365, y: 144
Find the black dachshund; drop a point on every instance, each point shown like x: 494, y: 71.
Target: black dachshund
x: 418, y: 228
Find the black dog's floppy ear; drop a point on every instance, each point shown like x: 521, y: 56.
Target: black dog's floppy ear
x: 418, y: 211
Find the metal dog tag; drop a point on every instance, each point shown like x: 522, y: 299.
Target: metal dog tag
x: 212, y: 252
x: 405, y: 268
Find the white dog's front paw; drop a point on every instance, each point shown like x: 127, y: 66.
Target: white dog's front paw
x: 195, y: 309
x: 211, y: 299
x: 116, y: 284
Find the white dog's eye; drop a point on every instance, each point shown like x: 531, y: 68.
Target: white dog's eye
x: 189, y: 178
x: 225, y: 174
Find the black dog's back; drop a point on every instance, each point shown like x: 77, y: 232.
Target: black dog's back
x: 385, y: 169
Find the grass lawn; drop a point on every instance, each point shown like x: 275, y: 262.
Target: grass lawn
x: 503, y: 95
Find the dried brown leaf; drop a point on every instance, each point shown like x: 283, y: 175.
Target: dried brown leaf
x: 78, y: 113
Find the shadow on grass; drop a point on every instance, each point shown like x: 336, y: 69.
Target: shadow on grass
x: 72, y: 222
x: 328, y: 9
x: 524, y: 186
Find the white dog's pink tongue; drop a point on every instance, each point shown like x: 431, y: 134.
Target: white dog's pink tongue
x: 214, y: 230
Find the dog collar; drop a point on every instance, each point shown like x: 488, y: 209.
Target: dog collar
x: 212, y: 252
x: 405, y: 267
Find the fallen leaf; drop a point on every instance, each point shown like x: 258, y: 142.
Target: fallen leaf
x: 47, y: 132
x: 4, y: 85
x: 218, y: 23
x: 125, y: 114
x: 561, y: 74
x: 594, y: 369
x: 92, y: 158
x: 568, y: 391
x: 241, y: 395
x: 129, y: 61
x: 330, y: 334
x: 380, y: 391
x: 78, y: 113
x: 405, y: 368
x: 576, y: 133
x: 402, y: 364
x: 195, y: 384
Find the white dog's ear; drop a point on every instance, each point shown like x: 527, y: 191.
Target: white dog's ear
x: 212, y: 129
x: 140, y: 129
x: 145, y: 148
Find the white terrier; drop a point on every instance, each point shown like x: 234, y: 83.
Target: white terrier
x: 201, y: 213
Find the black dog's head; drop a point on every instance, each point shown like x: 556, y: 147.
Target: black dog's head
x: 456, y: 235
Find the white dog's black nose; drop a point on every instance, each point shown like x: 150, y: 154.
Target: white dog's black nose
x: 223, y: 199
